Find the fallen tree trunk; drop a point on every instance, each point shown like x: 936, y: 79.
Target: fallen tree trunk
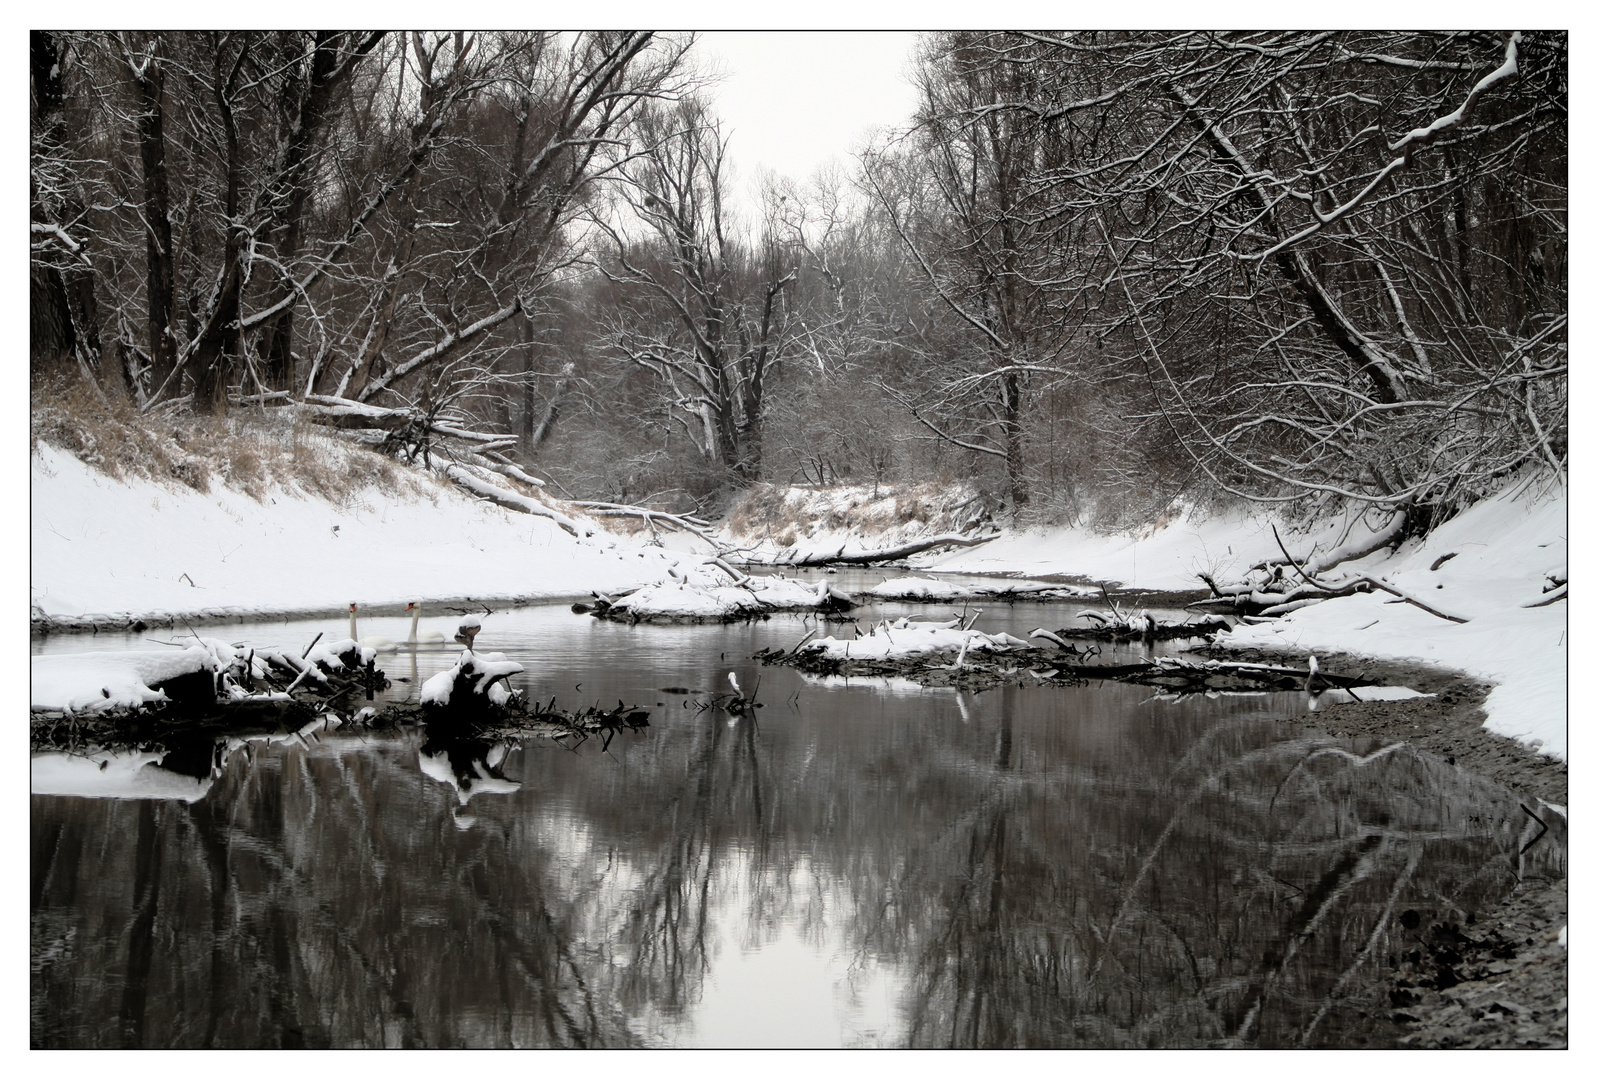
x: 460, y: 476
x: 684, y: 522
x: 903, y: 551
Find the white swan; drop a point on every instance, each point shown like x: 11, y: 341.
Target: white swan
x: 376, y: 642
x: 422, y: 637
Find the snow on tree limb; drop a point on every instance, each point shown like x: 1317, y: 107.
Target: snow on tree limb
x: 462, y: 477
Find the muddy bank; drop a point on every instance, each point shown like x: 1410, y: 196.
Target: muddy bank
x: 1501, y: 979
x: 1448, y: 726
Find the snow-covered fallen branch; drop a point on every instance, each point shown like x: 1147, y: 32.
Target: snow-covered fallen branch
x: 683, y: 522
x: 1376, y: 582
x: 860, y: 557
x: 714, y: 591
x: 462, y: 477
x: 1354, y: 549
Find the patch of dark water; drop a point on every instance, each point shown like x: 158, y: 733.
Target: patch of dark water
x: 859, y: 863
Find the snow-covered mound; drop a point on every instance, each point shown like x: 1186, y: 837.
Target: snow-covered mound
x: 906, y: 638
x: 91, y: 682
x: 708, y: 593
x: 474, y: 674
x: 113, y: 548
x: 679, y: 600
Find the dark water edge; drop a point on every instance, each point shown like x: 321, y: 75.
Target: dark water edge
x: 858, y: 864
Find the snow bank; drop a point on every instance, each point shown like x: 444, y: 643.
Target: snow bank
x: 104, y: 547
x: 90, y: 682
x: 1162, y: 556
x: 1502, y: 550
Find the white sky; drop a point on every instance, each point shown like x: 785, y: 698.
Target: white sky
x: 792, y: 100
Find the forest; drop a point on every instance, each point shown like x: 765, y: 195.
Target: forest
x: 1099, y: 273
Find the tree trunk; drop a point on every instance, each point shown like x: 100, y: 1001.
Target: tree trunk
x: 159, y: 257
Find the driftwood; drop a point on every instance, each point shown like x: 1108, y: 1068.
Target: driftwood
x: 1374, y: 582
x: 1319, y: 564
x: 980, y: 669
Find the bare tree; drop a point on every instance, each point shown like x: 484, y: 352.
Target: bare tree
x: 704, y: 312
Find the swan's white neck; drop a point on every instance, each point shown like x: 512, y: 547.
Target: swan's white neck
x: 352, y: 625
x: 416, y: 614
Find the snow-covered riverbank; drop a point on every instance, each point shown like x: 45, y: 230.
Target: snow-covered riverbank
x: 1486, y: 565
x: 102, y: 547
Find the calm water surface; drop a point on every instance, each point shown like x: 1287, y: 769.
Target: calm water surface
x: 862, y: 863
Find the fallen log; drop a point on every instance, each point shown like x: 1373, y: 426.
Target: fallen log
x: 683, y: 522
x: 1348, y: 552
x: 460, y: 476
x: 973, y: 668
x: 903, y: 551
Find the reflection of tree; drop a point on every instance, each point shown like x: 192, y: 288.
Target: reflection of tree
x: 1051, y: 870
x: 1234, y: 907
x: 317, y: 919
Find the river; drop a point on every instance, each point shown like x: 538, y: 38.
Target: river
x: 858, y: 863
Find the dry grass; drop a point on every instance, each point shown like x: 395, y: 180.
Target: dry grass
x: 786, y: 514
x: 245, y: 452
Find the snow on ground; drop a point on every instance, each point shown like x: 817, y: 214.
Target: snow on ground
x: 1505, y: 546
x: 101, y: 546
x: 1154, y: 557
x: 793, y: 524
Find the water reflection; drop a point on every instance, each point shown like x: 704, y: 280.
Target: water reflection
x: 856, y: 863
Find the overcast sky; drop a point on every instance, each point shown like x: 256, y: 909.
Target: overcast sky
x: 791, y: 100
